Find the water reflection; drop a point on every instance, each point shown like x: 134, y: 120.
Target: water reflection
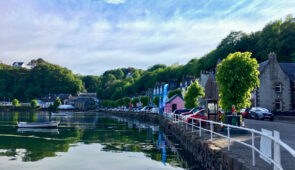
x: 113, y: 134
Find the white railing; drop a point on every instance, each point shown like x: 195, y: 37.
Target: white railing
x: 276, y: 160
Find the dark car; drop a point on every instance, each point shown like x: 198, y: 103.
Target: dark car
x: 260, y: 113
x: 245, y: 113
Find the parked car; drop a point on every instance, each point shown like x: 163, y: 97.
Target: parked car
x: 260, y: 113
x: 155, y: 110
x: 245, y: 112
x: 198, y: 115
x: 146, y: 109
x: 194, y: 110
x: 177, y: 112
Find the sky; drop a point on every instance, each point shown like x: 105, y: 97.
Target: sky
x: 92, y: 36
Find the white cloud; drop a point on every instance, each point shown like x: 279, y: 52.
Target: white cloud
x: 93, y: 46
x: 115, y: 1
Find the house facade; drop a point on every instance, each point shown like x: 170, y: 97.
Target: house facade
x: 18, y: 64
x: 174, y: 103
x: 277, y: 84
x: 185, y: 83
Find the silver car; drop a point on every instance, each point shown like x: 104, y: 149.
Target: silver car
x: 260, y: 113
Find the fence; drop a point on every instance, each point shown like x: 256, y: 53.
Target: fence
x: 275, y: 139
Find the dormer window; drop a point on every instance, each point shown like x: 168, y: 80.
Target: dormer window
x: 278, y: 88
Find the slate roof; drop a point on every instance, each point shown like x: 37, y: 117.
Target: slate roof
x: 172, y: 98
x: 262, y: 65
x: 289, y: 69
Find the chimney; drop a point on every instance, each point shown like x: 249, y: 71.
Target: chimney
x: 272, y: 57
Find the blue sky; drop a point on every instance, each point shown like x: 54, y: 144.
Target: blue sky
x: 91, y: 36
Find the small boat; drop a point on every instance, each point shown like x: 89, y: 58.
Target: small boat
x: 59, y: 114
x: 38, y: 130
x: 52, y: 124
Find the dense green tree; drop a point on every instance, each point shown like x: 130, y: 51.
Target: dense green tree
x: 237, y: 76
x: 156, y: 100
x: 34, y: 103
x: 57, y: 103
x: 15, y: 102
x: 135, y: 101
x: 174, y: 92
x: 194, y: 92
x: 144, y: 100
x: 127, y: 101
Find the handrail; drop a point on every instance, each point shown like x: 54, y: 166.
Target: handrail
x: 277, y: 141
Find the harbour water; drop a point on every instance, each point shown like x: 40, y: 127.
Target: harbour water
x: 87, y: 141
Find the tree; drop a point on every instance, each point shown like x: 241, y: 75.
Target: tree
x: 127, y: 101
x: 237, y: 76
x: 144, y: 100
x: 156, y: 100
x: 34, y: 103
x: 120, y: 102
x: 15, y: 102
x: 135, y: 101
x: 174, y: 92
x: 194, y: 92
x: 56, y: 103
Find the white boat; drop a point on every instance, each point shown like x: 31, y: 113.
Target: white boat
x: 38, y: 130
x: 59, y: 114
x: 52, y: 124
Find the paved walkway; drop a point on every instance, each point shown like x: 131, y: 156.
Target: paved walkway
x: 244, y: 154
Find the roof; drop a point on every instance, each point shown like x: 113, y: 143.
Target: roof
x: 289, y: 69
x: 173, y: 97
x: 262, y: 65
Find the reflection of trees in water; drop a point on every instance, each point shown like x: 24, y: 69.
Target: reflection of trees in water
x: 116, y: 135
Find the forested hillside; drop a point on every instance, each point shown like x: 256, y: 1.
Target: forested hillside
x: 24, y: 84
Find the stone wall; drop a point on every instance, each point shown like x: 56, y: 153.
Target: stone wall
x: 202, y: 150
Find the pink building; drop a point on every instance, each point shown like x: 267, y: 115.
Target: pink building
x: 174, y: 103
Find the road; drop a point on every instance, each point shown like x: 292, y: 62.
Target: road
x: 286, y: 128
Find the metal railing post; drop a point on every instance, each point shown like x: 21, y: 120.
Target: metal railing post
x: 211, y: 128
x: 277, y: 150
x: 228, y: 139
x: 253, y: 150
x: 200, y: 128
x: 193, y: 124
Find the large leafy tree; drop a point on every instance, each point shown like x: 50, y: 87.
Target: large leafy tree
x: 144, y: 100
x: 156, y: 100
x: 135, y: 101
x: 127, y: 101
x: 237, y: 76
x: 194, y: 91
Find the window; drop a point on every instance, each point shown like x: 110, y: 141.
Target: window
x: 278, y: 88
x: 278, y: 105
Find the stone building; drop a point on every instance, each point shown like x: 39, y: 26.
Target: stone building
x: 277, y: 84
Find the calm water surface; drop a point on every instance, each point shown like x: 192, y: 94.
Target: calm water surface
x: 87, y: 141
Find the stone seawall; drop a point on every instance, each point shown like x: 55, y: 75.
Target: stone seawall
x: 203, y: 151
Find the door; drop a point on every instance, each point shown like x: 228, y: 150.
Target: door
x: 174, y: 107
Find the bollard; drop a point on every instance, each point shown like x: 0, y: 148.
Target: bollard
x: 211, y: 128
x: 200, y: 128
x: 228, y: 139
x: 193, y: 124
x: 253, y: 150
